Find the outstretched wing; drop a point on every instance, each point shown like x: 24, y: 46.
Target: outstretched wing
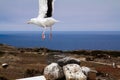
x: 50, y: 5
x: 43, y: 7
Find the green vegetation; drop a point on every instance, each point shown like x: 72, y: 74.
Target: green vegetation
x: 32, y: 72
x: 95, y: 52
x: 3, y: 78
x: 2, y: 53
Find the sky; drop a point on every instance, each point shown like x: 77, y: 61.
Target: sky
x: 73, y: 15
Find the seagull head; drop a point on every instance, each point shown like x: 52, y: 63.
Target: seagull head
x: 31, y: 21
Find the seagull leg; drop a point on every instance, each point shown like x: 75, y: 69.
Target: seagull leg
x: 50, y: 33
x: 43, y: 33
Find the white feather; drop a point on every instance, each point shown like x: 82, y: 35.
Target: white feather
x: 42, y: 8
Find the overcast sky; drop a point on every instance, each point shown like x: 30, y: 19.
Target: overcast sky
x: 80, y: 15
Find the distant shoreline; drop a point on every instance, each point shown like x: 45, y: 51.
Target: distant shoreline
x: 113, y: 53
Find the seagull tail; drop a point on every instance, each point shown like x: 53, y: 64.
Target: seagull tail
x: 55, y: 20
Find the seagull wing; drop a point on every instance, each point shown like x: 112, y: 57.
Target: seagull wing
x: 43, y: 7
x: 50, y: 5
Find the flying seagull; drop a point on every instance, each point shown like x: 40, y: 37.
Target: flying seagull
x: 44, y: 18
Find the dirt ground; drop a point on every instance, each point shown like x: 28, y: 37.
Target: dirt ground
x: 31, y: 62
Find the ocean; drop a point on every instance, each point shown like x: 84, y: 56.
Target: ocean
x: 63, y: 40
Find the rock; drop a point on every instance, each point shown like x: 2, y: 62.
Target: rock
x: 73, y: 72
x: 33, y: 78
x: 53, y: 72
x: 5, y: 65
x: 114, y: 65
x: 85, y: 70
x: 68, y: 60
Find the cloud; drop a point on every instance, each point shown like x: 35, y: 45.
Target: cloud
x: 77, y: 13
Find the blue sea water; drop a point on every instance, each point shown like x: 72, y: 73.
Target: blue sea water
x: 64, y: 40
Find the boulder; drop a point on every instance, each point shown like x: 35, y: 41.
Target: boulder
x: 85, y: 70
x: 68, y: 60
x: 53, y: 72
x: 73, y: 72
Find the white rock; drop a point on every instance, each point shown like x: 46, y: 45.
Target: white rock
x: 68, y: 60
x: 5, y: 65
x: 53, y: 72
x: 73, y: 72
x: 85, y: 70
x: 33, y: 78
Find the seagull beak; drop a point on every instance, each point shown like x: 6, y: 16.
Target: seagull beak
x: 28, y: 22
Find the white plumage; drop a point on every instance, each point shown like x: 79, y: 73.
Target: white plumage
x: 44, y: 18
